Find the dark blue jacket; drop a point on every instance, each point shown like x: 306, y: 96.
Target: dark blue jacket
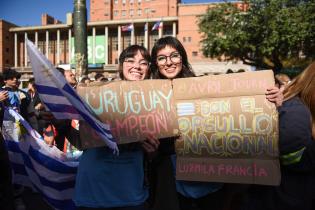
x: 297, y: 158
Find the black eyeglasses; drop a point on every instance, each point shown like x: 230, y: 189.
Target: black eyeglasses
x: 175, y: 58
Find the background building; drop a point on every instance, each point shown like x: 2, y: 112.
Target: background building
x: 113, y: 25
x: 6, y: 45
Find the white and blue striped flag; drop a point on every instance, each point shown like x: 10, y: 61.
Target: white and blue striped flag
x: 60, y: 98
x: 157, y: 26
x: 37, y: 165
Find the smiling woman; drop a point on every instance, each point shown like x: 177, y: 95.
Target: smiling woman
x: 169, y: 60
x: 105, y: 180
x: 134, y: 63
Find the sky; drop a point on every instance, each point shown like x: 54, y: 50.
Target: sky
x: 28, y: 12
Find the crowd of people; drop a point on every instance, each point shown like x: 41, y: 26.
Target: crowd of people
x: 143, y: 176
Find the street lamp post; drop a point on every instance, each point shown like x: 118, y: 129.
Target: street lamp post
x: 80, y: 37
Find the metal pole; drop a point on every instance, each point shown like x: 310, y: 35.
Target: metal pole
x: 15, y: 50
x: 80, y: 37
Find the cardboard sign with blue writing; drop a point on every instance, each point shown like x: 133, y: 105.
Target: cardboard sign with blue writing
x: 133, y: 109
x: 229, y: 131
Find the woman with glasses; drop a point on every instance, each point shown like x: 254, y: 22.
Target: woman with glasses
x: 108, y: 181
x: 169, y: 61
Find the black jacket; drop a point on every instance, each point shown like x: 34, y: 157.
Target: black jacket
x: 297, y: 158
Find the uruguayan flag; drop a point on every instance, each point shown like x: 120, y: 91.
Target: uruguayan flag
x: 185, y: 109
x: 35, y: 164
x: 60, y: 98
x: 157, y: 26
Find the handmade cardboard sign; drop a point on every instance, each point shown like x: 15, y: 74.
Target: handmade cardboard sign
x: 229, y: 131
x: 133, y: 110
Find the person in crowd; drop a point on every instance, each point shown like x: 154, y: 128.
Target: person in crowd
x: 169, y: 61
x: 241, y: 71
x: 99, y: 77
x: 58, y: 129
x: 6, y: 188
x: 32, y: 91
x: 107, y: 181
x: 69, y: 75
x: 104, y: 79
x: 36, y: 102
x: 229, y: 71
x: 85, y: 80
x: 20, y: 101
x: 297, y: 150
x: 282, y: 79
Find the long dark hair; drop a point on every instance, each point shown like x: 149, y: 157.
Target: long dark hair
x: 174, y: 43
x: 130, y: 52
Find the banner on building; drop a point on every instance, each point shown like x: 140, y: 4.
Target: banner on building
x: 98, y: 51
x: 229, y: 131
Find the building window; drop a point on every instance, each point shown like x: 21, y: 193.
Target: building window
x: 140, y: 40
x: 131, y: 12
x: 194, y: 53
x: 62, y: 46
x: 115, y: 1
x: 106, y: 14
x: 51, y: 47
x: 139, y: 12
x: 115, y: 43
x: 126, y: 41
x: 139, y: 1
x: 131, y: 1
x: 184, y: 39
x: 124, y: 2
x: 41, y: 46
x: 123, y: 12
x: 66, y: 47
x: 146, y: 10
x: 115, y: 12
x: 189, y: 39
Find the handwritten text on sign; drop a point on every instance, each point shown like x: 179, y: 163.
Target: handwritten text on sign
x: 134, y: 109
x: 228, y: 130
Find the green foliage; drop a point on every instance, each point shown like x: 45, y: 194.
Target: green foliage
x: 270, y: 34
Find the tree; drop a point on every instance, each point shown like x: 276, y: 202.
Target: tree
x: 270, y: 34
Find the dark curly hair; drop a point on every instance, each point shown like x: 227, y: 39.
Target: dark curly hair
x: 130, y: 52
x: 10, y: 74
x: 174, y: 43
